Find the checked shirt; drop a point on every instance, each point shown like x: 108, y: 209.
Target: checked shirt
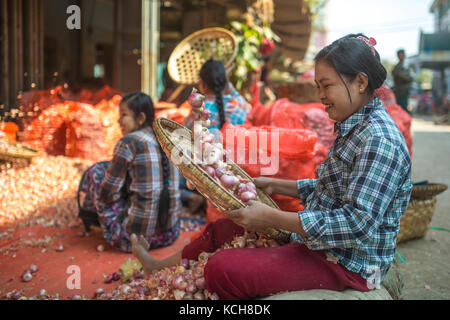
x: 353, y: 209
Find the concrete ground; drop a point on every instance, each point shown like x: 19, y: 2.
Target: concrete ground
x: 426, y: 272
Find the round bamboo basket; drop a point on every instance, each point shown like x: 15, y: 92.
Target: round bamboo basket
x: 191, y: 53
x: 415, y: 221
x: 178, y: 147
x: 427, y: 191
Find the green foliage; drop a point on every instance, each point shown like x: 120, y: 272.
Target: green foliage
x: 248, y: 58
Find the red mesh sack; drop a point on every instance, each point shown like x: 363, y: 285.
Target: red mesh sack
x: 295, y: 155
x: 108, y: 113
x: 47, y: 132
x: 85, y: 137
x: 176, y: 114
x: 403, y: 121
x: 386, y: 96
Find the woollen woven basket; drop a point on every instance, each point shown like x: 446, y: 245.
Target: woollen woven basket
x: 192, y: 52
x: 415, y: 221
x: 178, y: 147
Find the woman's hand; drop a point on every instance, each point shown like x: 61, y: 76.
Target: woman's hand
x: 266, y: 184
x: 255, y: 217
x: 190, y: 185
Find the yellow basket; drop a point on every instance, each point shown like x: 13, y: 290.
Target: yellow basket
x: 191, y: 53
x: 10, y: 151
x: 415, y: 221
x: 181, y: 146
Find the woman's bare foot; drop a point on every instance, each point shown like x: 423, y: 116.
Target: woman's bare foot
x: 139, y: 247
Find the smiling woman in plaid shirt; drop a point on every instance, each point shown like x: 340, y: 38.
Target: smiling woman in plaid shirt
x: 346, y: 236
x: 138, y: 190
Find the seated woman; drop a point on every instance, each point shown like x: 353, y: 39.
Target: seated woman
x: 138, y: 190
x: 224, y: 103
x: 346, y: 236
x: 222, y: 100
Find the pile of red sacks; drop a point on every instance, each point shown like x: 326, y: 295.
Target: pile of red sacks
x: 81, y: 124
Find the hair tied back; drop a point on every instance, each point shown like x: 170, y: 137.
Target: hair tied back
x: 371, y: 42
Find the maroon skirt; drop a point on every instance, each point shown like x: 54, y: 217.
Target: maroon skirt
x: 250, y: 273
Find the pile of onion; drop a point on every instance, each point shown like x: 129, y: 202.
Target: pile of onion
x: 211, y: 155
x: 182, y: 282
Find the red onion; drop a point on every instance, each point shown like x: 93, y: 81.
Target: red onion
x: 211, y: 171
x: 205, y: 115
x: 251, y: 244
x: 214, y: 296
x: 182, y: 285
x: 141, y: 290
x: 109, y: 279
x: 196, y: 99
x: 176, y: 282
x: 191, y: 288
x: 188, y: 296
x: 16, y: 295
x: 26, y: 277
x: 200, y: 283
x: 242, y: 187
x: 75, y: 297
x: 126, y: 289
x: 220, y: 172
x: 251, y: 186
x: 185, y: 263
x: 199, y: 296
x: 247, y: 196
x: 179, y: 294
x: 116, y: 276
x: 98, y: 292
x: 208, y: 137
x: 33, y: 268
x: 228, y: 181
x: 259, y: 243
x: 213, y: 156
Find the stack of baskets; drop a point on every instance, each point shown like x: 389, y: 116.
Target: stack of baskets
x: 416, y: 219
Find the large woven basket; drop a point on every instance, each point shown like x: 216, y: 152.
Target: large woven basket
x: 190, y: 54
x: 179, y: 149
x: 416, y: 219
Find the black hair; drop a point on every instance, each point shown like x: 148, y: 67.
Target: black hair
x: 400, y: 51
x: 351, y: 56
x: 139, y: 102
x: 214, y: 75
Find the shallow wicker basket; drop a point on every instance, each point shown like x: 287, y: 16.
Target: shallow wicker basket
x: 415, y: 221
x: 189, y: 55
x: 17, y: 151
x: 178, y: 148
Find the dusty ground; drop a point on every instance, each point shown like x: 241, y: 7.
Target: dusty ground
x: 426, y: 273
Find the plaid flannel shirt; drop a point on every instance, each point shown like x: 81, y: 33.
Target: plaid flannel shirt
x: 135, y: 173
x: 235, y: 106
x: 353, y: 209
